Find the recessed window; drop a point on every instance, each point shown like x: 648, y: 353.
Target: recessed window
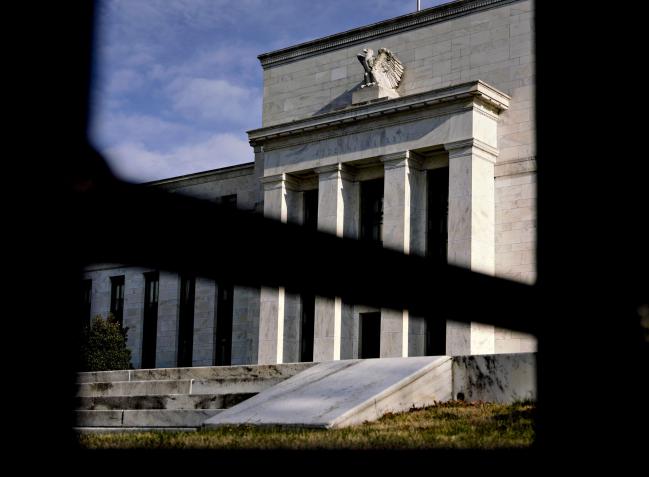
x: 117, y: 298
x: 86, y: 302
x: 307, y: 326
x: 223, y: 333
x: 437, y: 226
x: 436, y: 248
x: 186, y: 320
x: 372, y: 211
x: 229, y: 201
x: 310, y: 219
x: 370, y: 335
x: 150, y: 324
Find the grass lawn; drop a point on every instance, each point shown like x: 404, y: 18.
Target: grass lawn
x: 446, y: 425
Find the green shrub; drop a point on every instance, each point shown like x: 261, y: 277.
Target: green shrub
x: 103, y: 346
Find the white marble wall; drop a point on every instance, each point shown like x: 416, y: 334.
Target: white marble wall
x: 100, y: 274
x: 245, y: 325
x: 168, y: 312
x: 204, y: 322
x: 241, y: 180
x: 516, y: 238
x: 292, y: 322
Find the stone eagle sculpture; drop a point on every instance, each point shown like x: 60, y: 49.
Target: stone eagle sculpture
x: 384, y: 69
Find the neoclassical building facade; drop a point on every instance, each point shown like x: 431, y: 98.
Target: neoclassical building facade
x: 415, y: 132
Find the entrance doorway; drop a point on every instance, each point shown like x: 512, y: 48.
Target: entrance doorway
x: 370, y: 335
x: 437, y: 247
x: 435, y: 336
x: 307, y: 327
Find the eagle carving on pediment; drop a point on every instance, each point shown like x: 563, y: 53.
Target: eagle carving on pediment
x: 383, y: 69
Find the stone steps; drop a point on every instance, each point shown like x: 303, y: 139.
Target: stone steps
x: 144, y: 417
x: 169, y: 401
x: 177, y: 386
x: 100, y: 430
x: 169, y: 398
x: 285, y: 370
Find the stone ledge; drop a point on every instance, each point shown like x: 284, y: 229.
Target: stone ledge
x: 372, y: 93
x: 200, y: 372
x: 477, y: 90
x: 519, y: 166
x: 392, y: 26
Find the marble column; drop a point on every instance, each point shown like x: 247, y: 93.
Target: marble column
x: 279, y: 198
x: 471, y: 233
x: 338, y: 198
x: 404, y: 221
x: 134, y: 312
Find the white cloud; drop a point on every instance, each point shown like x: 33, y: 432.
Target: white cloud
x: 125, y: 80
x: 136, y: 162
x: 110, y: 128
x: 215, y: 99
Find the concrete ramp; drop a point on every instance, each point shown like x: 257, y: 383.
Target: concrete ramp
x: 343, y: 393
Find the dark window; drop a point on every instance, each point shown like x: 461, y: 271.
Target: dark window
x: 370, y: 335
x: 437, y: 214
x: 311, y: 209
x: 307, y: 320
x: 437, y: 246
x: 229, y: 201
x: 117, y: 298
x: 86, y: 297
x: 435, y: 336
x: 186, y: 320
x: 150, y: 325
x: 223, y: 338
x: 307, y: 327
x: 372, y: 210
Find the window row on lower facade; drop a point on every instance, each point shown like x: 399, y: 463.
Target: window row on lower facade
x: 179, y: 320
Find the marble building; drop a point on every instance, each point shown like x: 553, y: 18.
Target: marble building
x: 416, y: 132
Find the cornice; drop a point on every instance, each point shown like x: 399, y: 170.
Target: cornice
x: 463, y: 147
x: 396, y: 160
x: 204, y: 176
x: 332, y: 171
x: 476, y: 90
x: 282, y: 179
x: 392, y: 26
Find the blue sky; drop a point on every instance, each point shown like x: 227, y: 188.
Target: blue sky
x: 177, y: 83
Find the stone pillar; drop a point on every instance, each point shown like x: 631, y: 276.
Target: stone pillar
x: 168, y: 308
x: 100, y: 299
x: 134, y: 312
x: 245, y: 325
x: 471, y: 233
x: 204, y: 322
x: 337, y: 214
x: 404, y: 215
x: 279, y: 200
